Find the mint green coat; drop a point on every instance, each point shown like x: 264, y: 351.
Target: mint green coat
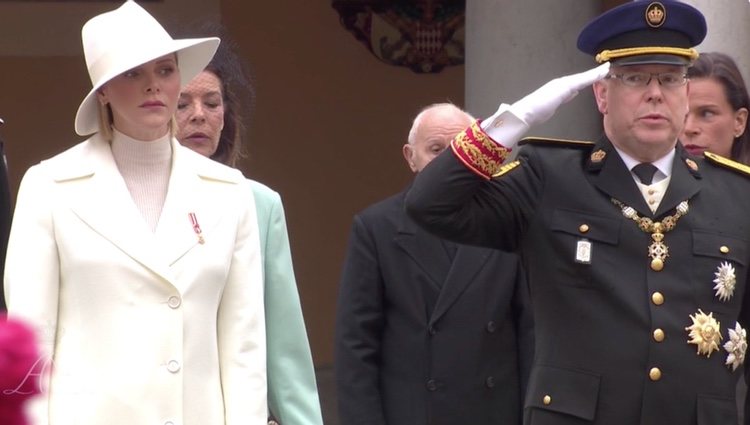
x: 292, y: 392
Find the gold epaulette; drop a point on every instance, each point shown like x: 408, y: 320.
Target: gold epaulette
x: 727, y: 163
x: 557, y: 142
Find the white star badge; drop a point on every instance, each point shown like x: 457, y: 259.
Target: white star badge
x: 725, y: 281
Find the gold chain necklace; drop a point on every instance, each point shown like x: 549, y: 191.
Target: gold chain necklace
x: 658, y: 250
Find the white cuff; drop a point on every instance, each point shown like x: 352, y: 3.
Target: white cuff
x: 505, y: 127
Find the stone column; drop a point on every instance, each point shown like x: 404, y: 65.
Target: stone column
x: 513, y: 47
x: 728, y: 30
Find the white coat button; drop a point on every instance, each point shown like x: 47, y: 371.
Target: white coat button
x: 174, y: 301
x: 173, y: 366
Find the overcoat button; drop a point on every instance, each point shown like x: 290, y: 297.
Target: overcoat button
x: 491, y: 327
x: 583, y: 228
x: 657, y: 298
x: 432, y: 330
x: 724, y: 249
x: 173, y: 366
x: 174, y: 301
x: 547, y: 400
x: 431, y: 385
x: 490, y: 382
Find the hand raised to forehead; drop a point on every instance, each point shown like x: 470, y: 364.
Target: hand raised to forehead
x: 541, y: 104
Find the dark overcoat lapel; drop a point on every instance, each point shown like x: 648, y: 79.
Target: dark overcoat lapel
x: 450, y: 278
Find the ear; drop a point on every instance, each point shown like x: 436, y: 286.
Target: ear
x: 408, y: 152
x: 600, y: 94
x: 740, y: 121
x: 101, y: 96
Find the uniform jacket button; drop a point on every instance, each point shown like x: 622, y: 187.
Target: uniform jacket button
x: 431, y: 385
x: 659, y: 335
x: 654, y: 374
x: 491, y: 327
x: 489, y: 382
x: 432, y: 330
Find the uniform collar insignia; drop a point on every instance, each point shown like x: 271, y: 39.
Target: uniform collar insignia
x: 691, y: 164
x: 598, y: 156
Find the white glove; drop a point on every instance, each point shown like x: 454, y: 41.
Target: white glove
x: 510, y: 123
x: 540, y: 105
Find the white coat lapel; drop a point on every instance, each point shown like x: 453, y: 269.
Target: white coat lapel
x: 191, y: 193
x: 99, y: 197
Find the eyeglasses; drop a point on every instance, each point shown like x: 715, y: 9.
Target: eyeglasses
x: 643, y: 79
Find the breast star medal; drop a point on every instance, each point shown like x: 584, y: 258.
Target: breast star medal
x: 705, y: 332
x: 736, y: 347
x: 725, y: 281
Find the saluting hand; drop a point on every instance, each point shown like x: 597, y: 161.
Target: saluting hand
x: 541, y: 104
x: 511, y: 122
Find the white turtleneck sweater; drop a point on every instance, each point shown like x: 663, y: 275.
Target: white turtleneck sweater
x: 145, y: 167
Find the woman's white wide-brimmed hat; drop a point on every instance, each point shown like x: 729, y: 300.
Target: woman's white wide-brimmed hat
x: 124, y: 38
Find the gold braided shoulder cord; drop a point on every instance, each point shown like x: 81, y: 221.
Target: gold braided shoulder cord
x: 658, y: 251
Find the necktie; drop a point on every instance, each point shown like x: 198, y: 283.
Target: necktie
x: 645, y: 172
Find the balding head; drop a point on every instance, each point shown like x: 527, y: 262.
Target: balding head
x: 432, y: 131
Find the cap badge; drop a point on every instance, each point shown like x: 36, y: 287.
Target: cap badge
x: 655, y: 14
x: 725, y: 281
x: 598, y: 156
x: 691, y: 164
x: 705, y: 332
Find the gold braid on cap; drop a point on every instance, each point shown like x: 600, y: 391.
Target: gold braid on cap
x: 607, y: 55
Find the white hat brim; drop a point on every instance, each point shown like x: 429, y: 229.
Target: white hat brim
x: 192, y: 57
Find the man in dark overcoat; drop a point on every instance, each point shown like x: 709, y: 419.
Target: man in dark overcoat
x: 636, y: 254
x: 427, y: 331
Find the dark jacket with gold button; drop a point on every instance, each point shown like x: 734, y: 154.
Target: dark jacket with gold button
x: 611, y: 339
x: 425, y: 339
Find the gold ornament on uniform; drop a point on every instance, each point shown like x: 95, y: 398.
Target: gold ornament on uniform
x: 725, y: 281
x: 598, y: 156
x: 705, y: 332
x: 658, y: 251
x: 655, y: 15
x: 736, y: 347
x: 691, y: 164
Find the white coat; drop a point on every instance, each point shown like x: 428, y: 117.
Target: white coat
x: 140, y: 327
